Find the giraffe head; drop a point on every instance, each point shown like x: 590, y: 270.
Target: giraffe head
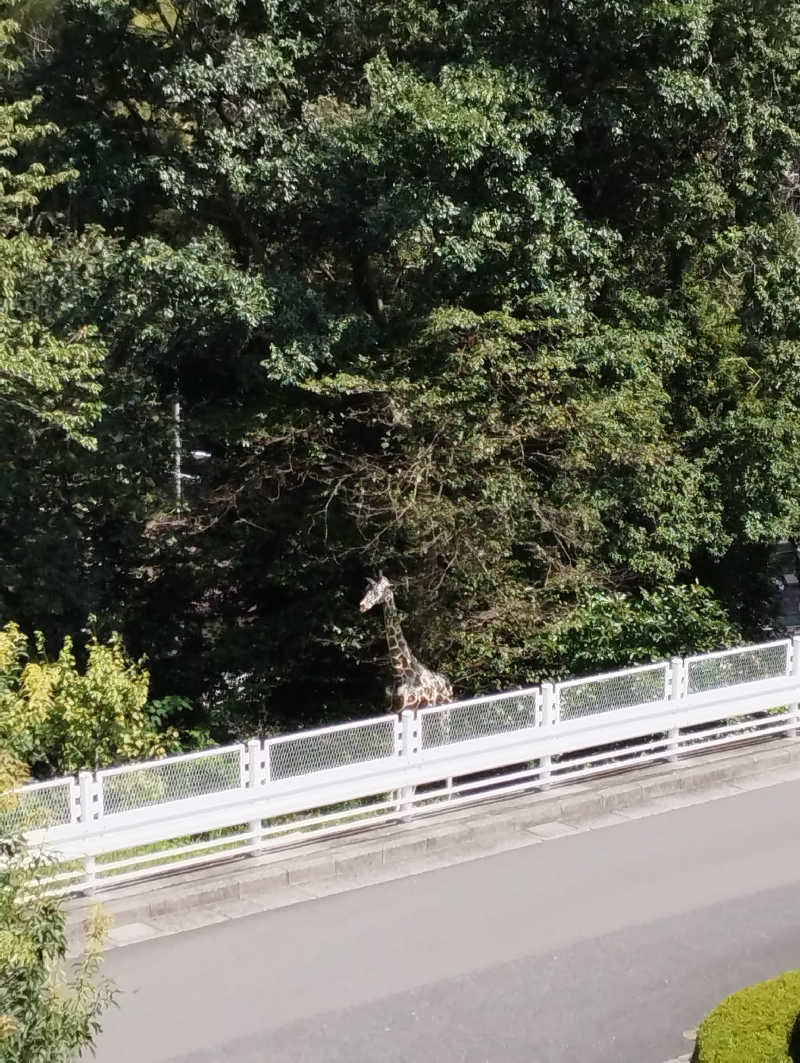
x: 378, y: 591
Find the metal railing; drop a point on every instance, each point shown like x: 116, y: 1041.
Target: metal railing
x: 132, y: 787
x: 138, y: 819
x: 577, y: 698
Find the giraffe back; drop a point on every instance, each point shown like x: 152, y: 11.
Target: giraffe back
x: 421, y: 690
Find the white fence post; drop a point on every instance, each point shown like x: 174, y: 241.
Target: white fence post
x: 446, y: 735
x: 409, y: 744
x: 74, y: 801
x: 257, y: 766
x: 91, y: 810
x: 794, y: 708
x: 548, y: 718
x: 676, y: 694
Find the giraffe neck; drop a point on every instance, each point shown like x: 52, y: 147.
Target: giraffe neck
x: 402, y: 659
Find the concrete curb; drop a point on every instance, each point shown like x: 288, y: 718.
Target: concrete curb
x: 291, y: 875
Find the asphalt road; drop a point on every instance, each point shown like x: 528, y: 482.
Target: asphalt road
x: 600, y: 947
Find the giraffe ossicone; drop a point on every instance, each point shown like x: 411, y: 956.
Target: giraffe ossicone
x: 415, y: 686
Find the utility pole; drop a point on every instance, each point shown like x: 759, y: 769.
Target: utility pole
x: 176, y: 443
x: 178, y: 474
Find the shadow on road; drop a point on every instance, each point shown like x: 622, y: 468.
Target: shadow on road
x: 794, y: 1042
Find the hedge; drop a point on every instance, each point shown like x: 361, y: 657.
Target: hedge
x: 756, y: 1025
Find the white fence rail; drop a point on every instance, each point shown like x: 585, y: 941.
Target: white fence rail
x: 138, y: 820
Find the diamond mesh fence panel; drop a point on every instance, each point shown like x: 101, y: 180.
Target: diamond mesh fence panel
x: 336, y: 748
x: 738, y: 666
x: 173, y: 779
x: 38, y: 806
x: 477, y: 719
x: 620, y: 690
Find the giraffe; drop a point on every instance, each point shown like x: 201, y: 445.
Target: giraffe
x: 415, y: 686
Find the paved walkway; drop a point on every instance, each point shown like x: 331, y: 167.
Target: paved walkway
x: 598, y: 945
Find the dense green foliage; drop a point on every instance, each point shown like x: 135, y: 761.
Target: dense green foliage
x: 755, y: 1025
x: 46, y: 379
x: 500, y: 298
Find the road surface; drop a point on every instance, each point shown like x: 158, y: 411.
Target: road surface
x: 600, y: 946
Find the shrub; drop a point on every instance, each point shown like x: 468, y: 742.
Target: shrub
x: 755, y: 1025
x: 62, y: 718
x: 50, y: 1007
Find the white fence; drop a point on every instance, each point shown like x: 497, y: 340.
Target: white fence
x: 139, y: 820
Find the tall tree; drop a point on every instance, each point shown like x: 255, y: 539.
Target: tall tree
x: 496, y: 296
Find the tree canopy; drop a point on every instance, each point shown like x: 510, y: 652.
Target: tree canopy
x: 501, y: 298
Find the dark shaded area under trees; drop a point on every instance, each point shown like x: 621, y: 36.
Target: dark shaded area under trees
x: 501, y: 298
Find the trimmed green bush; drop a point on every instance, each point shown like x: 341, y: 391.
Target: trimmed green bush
x: 755, y: 1025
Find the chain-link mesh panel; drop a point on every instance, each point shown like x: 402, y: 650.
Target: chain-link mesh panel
x: 586, y: 697
x: 37, y: 806
x: 738, y: 666
x: 172, y: 779
x: 334, y: 748
x: 477, y: 719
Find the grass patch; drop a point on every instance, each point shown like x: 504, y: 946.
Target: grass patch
x: 227, y: 837
x: 158, y: 854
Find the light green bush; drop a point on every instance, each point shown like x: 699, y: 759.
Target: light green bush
x: 54, y: 713
x: 755, y: 1025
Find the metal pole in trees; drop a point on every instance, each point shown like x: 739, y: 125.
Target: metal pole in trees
x: 176, y: 442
